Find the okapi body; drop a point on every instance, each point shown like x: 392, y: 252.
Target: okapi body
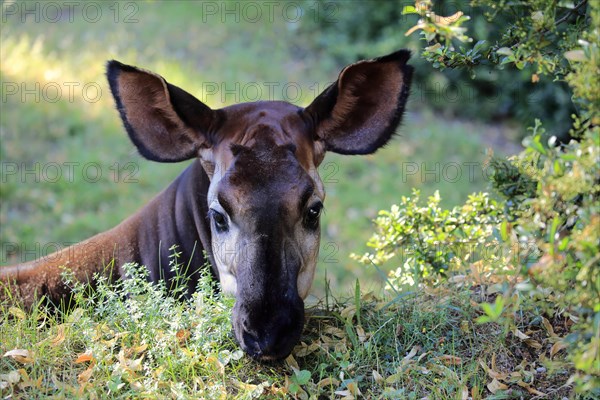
x: 251, y: 201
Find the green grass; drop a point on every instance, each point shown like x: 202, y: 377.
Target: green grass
x: 133, y: 340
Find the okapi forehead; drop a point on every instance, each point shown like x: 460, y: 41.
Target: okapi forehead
x: 265, y: 175
x: 248, y: 123
x: 263, y: 162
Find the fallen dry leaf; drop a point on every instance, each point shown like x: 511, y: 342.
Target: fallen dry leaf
x: 495, y: 385
x: 332, y: 330
x: 85, y: 375
x: 28, y: 382
x: 216, y: 363
x: 362, y: 336
x: 464, y: 393
x: 556, y: 347
x: 353, y: 388
x: 302, y: 350
x: 346, y: 394
x: 475, y: 393
x: 12, y: 377
x: 328, y: 382
x: 520, y: 334
x: 531, y: 390
x: 412, y: 353
x: 84, y: 357
x: 492, y: 373
x: 292, y: 363
x: 348, y: 312
x: 182, y: 336
x: 548, y: 327
x: 450, y: 360
x: 395, y: 378
x: 377, y: 377
x: 532, y: 343
x: 60, y: 336
x: 21, y: 355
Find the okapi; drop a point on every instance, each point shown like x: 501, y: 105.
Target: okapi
x: 251, y: 201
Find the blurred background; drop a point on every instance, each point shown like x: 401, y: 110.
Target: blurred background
x: 69, y: 171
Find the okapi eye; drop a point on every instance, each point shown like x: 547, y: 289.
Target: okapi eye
x: 311, y: 220
x: 220, y: 221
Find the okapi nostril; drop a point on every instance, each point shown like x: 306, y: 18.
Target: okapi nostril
x: 251, y: 342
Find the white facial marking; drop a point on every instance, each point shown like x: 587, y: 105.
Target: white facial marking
x: 229, y: 247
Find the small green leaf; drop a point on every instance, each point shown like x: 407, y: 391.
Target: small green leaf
x: 409, y: 10
x: 505, y: 51
x: 504, y: 231
x: 302, y: 377
x: 536, y: 145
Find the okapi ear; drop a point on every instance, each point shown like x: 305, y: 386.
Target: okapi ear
x: 360, y: 112
x: 165, y: 123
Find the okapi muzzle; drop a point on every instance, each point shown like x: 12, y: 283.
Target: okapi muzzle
x: 251, y: 200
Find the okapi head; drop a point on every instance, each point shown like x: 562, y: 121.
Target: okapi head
x: 265, y: 196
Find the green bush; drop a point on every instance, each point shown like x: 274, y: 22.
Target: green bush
x: 428, y: 241
x: 549, y: 221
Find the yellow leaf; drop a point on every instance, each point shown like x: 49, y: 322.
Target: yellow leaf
x: 17, y: 312
x: 447, y: 20
x: 495, y: 385
x: 28, y: 382
x: 139, y: 349
x: 214, y: 361
x: 20, y: 355
x: 395, y: 378
x: 353, y: 388
x: 492, y: 373
x: 464, y: 326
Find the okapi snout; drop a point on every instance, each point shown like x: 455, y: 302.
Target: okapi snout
x: 268, y: 332
x: 250, y: 202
